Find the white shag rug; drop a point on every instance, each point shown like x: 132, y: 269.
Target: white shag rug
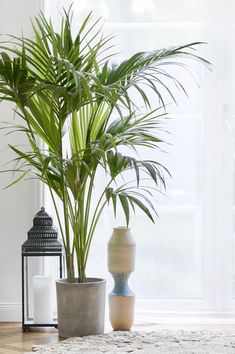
x: 163, y: 341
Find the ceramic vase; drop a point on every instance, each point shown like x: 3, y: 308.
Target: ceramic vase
x: 121, y: 263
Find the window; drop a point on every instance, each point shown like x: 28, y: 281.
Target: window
x: 186, y: 261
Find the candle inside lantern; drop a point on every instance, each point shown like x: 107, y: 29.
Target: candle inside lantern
x: 42, y: 299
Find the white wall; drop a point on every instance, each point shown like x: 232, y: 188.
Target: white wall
x: 19, y: 204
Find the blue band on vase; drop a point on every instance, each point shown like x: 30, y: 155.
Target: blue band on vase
x: 121, y: 287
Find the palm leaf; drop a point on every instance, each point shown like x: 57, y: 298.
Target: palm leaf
x: 66, y: 88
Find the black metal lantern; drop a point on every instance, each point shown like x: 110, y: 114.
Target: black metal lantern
x: 41, y: 266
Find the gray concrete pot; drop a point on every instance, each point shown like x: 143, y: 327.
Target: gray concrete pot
x: 81, y: 307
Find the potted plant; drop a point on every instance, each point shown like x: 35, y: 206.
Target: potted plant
x: 77, y: 111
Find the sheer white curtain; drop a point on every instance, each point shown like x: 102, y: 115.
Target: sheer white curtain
x: 185, y: 262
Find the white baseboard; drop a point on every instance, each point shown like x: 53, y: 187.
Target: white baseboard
x: 10, y: 312
x: 185, y: 318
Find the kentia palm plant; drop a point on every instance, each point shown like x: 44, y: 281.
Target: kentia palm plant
x: 66, y: 85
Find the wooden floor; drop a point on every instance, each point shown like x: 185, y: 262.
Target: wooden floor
x: 13, y: 341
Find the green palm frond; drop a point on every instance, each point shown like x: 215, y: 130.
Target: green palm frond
x: 77, y: 104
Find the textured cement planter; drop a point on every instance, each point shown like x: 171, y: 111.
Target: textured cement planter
x: 81, y: 307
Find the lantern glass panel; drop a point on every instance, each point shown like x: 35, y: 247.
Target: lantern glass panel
x: 40, y: 274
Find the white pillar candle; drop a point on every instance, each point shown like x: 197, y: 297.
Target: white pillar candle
x: 42, y: 299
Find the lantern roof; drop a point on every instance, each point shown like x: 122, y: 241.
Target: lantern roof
x: 42, y: 237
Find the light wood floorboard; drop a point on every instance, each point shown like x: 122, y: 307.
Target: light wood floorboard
x: 13, y: 340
